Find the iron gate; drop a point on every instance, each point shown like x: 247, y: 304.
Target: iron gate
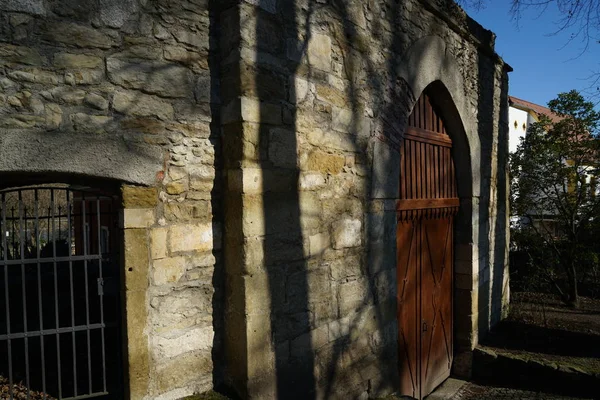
x: 59, y: 291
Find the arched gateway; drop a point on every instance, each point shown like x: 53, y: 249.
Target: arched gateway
x: 426, y: 208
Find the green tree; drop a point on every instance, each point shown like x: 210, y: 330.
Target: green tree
x: 554, y: 190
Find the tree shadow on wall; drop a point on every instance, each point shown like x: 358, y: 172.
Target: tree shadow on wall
x: 325, y: 342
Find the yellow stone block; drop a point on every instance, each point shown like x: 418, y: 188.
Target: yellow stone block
x: 326, y: 163
x: 139, y: 196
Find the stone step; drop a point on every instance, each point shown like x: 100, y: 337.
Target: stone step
x: 532, y: 372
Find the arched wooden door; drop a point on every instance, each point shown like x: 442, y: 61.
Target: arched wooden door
x: 425, y: 212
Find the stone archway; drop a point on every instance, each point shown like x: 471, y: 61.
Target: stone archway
x: 431, y: 66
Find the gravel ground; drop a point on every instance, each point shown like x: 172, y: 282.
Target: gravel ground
x: 472, y: 391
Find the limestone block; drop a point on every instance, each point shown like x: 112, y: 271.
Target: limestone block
x: 194, y: 59
x: 319, y: 51
x: 183, y: 308
x: 36, y: 7
x: 332, y: 96
x: 34, y: 75
x: 141, y: 105
x: 90, y: 123
x: 139, y: 51
x: 348, y: 267
x: 203, y: 88
x: 188, y: 211
x: 19, y: 54
x: 338, y: 328
x: 333, y: 208
x: 310, y: 210
x: 158, y: 243
x: 304, y: 345
x: 311, y: 181
x: 137, y: 347
x: 253, y: 110
x: 163, y: 79
x: 96, y: 101
x: 357, y: 15
x: 318, y: 243
x: 76, y: 61
x: 300, y: 88
x: 136, y: 259
x: 386, y: 170
x: 138, y: 217
x: 114, y: 13
x: 282, y: 148
x: 191, y: 237
x: 168, y: 270
x: 249, y: 180
x: 342, y: 120
x: 84, y: 77
x: 256, y: 285
x: 352, y: 295
x: 347, y: 233
x: 77, y: 35
x: 253, y: 218
x: 175, y: 188
x: 174, y: 344
x: 331, y: 140
x: 54, y: 115
x: 139, y: 196
x: 199, y: 40
x: 182, y: 370
x: 325, y: 162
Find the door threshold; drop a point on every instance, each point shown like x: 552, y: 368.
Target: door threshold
x: 447, y: 390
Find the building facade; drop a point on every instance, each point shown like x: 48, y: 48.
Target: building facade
x: 252, y: 154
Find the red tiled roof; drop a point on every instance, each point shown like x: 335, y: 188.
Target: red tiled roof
x: 536, y: 108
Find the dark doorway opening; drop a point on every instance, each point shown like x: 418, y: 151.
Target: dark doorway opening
x: 60, y: 335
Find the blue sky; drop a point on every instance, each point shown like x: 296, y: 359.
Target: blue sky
x: 544, y: 64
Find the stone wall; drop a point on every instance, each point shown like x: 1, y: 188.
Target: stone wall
x: 309, y: 100
x: 320, y: 97
x: 123, y: 89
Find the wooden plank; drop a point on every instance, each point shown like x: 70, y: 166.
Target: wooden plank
x: 453, y: 180
x: 436, y: 157
x: 413, y: 171
x: 423, y: 179
x: 422, y: 204
x: 431, y: 169
x: 403, y: 170
x: 428, y: 136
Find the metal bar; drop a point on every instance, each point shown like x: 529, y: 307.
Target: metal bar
x: 6, y: 299
x: 51, y: 216
x: 87, y: 396
x: 101, y: 296
x: 47, y: 332
x: 87, y: 320
x: 63, y: 187
x: 39, y: 284
x: 57, y: 215
x: 73, y: 341
x: 24, y: 289
x: 50, y: 259
x: 14, y: 244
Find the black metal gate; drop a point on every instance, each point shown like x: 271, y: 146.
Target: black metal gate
x: 59, y: 292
